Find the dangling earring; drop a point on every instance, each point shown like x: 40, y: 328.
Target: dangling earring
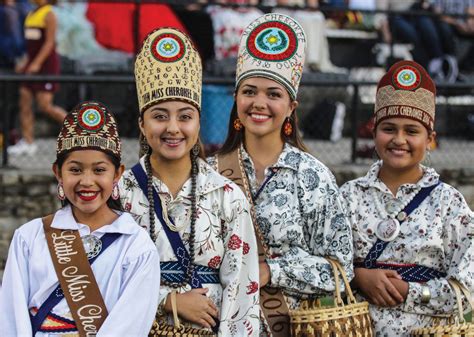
x: 287, y: 127
x: 60, y: 193
x: 144, y: 147
x: 195, y: 150
x: 237, y: 124
x: 427, y: 160
x: 115, y: 192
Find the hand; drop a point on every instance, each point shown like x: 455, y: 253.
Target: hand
x: 20, y: 64
x: 377, y: 287
x: 194, y: 306
x: 265, y: 275
x: 33, y: 68
x: 402, y: 287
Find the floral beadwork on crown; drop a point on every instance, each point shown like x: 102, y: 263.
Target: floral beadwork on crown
x: 91, y: 118
x: 407, y: 78
x: 272, y: 41
x: 168, y: 47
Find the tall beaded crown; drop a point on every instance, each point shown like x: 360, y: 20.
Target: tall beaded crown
x: 168, y: 67
x: 273, y: 46
x: 89, y: 126
x: 407, y: 91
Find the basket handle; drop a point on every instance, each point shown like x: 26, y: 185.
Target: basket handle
x: 458, y: 288
x: 337, y: 269
x: 337, y: 290
x: 174, y: 308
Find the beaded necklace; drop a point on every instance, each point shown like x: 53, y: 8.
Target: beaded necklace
x: 389, y: 228
x: 194, y: 171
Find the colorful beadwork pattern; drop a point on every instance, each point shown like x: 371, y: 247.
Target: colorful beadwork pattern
x: 91, y: 118
x: 168, y: 47
x: 407, y: 78
x: 272, y: 41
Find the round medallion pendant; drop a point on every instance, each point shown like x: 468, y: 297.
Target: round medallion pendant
x: 92, y: 245
x: 387, y: 230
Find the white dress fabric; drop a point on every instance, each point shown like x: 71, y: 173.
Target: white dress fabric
x: 301, y: 217
x: 437, y: 234
x: 127, y: 274
x: 224, y: 240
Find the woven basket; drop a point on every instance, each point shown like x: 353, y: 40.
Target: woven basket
x: 341, y: 320
x: 457, y: 326
x: 176, y: 330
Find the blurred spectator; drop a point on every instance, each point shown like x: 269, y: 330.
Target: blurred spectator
x: 229, y: 23
x: 12, y: 44
x: 462, y: 26
x: 199, y: 26
x: 118, y: 34
x: 314, y: 25
x: 432, y: 47
x: 41, y: 58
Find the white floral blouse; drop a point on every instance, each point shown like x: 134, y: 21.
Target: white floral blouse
x: 224, y: 240
x: 300, y: 214
x: 437, y: 234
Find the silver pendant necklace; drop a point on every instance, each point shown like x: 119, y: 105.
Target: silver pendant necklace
x: 388, y: 229
x: 92, y: 245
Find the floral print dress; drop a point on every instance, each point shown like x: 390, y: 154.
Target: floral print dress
x: 224, y: 240
x: 438, y: 234
x: 300, y: 214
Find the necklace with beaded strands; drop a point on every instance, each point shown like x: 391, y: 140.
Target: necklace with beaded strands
x: 389, y: 228
x: 151, y: 213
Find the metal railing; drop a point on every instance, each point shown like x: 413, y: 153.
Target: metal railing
x: 7, y: 82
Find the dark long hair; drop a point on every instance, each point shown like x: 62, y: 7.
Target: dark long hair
x: 235, y: 138
x: 113, y: 204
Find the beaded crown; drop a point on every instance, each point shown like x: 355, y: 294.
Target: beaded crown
x: 89, y: 126
x: 273, y: 46
x: 407, y: 91
x: 168, y: 67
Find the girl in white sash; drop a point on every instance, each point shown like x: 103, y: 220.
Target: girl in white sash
x: 206, y: 214
x: 88, y: 169
x: 298, y: 208
x: 407, y: 281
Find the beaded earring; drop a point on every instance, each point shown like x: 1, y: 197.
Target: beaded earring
x: 195, y: 150
x: 427, y: 160
x: 237, y: 124
x: 60, y: 192
x: 287, y: 127
x: 144, y: 147
x: 115, y: 192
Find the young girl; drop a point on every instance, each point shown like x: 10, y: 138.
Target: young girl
x: 124, y: 261
x: 41, y: 58
x: 411, y: 231
x: 199, y: 220
x: 299, y: 213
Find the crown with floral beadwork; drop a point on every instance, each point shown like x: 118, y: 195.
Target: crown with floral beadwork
x: 89, y: 126
x: 273, y: 46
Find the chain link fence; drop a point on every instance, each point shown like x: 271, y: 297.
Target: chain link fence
x: 332, y: 117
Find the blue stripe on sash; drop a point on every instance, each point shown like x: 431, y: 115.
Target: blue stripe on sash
x: 174, y: 272
x: 173, y: 237
x: 409, y: 273
x: 57, y: 295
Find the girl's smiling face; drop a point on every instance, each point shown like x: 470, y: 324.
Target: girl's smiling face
x: 88, y: 177
x: 171, y: 129
x: 262, y: 106
x: 402, y: 143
